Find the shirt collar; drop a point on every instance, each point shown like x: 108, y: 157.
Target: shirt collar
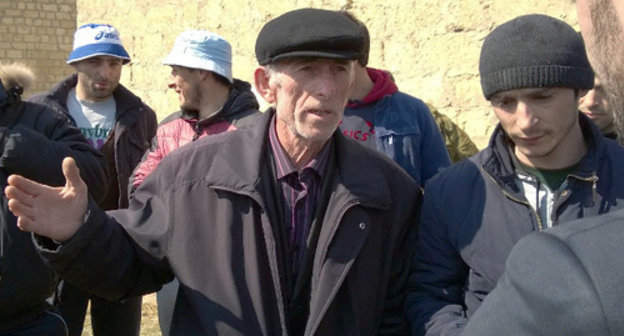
x: 285, y: 167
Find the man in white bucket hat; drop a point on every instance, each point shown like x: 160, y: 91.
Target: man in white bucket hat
x: 120, y: 125
x: 211, y: 102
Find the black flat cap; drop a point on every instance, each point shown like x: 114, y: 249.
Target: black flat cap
x: 309, y: 32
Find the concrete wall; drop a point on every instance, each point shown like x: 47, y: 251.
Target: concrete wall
x: 431, y: 46
x: 38, y: 33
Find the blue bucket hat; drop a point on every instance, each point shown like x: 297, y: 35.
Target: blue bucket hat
x: 200, y: 49
x: 97, y: 40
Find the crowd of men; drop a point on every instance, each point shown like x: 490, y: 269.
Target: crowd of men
x: 336, y: 211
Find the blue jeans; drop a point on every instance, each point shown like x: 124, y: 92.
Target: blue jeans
x: 49, y: 323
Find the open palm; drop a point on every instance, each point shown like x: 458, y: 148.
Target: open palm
x: 53, y: 212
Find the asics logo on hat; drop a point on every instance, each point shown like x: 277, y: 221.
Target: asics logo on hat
x: 106, y: 36
x: 97, y: 40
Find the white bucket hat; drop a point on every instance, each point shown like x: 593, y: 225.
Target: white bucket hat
x: 97, y: 40
x: 200, y: 49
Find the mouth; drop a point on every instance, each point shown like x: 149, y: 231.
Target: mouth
x: 319, y: 112
x: 530, y: 140
x: 101, y: 85
x: 593, y: 115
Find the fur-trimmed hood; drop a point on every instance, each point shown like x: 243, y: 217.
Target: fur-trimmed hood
x: 16, y: 77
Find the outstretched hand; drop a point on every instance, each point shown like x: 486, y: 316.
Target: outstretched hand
x: 53, y: 212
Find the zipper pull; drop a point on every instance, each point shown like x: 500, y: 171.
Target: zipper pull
x: 594, y: 187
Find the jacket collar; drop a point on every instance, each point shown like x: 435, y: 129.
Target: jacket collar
x: 499, y: 162
x: 241, y: 160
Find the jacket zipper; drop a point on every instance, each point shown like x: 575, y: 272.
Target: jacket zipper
x: 528, y: 205
x: 594, y: 181
x: 348, y: 205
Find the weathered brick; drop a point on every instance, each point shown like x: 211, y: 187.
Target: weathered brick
x: 24, y: 30
x: 14, y: 54
x: 12, y: 12
x: 50, y: 8
x: 63, y: 16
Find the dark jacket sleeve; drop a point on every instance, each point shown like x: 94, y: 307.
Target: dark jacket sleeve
x: 36, y: 145
x: 435, y: 286
x: 545, y: 290
x: 115, y: 260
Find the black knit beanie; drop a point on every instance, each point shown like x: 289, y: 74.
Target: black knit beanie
x: 533, y: 51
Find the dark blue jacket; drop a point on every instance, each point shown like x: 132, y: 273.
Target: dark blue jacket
x: 474, y: 213
x: 406, y: 132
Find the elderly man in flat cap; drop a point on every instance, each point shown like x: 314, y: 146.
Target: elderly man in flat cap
x: 287, y: 228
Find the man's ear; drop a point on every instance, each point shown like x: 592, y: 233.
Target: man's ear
x: 261, y: 82
x: 204, y: 74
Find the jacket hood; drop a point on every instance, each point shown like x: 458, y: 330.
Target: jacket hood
x: 383, y: 86
x: 16, y: 76
x: 240, y: 99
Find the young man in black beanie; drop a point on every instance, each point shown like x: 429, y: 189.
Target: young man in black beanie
x: 581, y: 261
x: 285, y: 228
x: 546, y: 165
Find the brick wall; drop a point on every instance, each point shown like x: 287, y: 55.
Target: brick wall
x: 431, y: 46
x: 38, y: 33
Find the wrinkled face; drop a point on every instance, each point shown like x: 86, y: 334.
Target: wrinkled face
x: 98, y: 77
x: 595, y: 105
x: 184, y: 81
x: 602, y: 25
x: 539, y: 121
x: 309, y: 95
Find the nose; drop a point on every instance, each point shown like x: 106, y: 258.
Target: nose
x: 105, y: 71
x: 590, y: 99
x: 526, y: 119
x: 171, y: 82
x: 325, y: 83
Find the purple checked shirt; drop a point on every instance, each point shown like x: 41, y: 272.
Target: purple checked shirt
x: 300, y: 194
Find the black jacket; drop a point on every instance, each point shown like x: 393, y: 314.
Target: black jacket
x: 135, y: 126
x: 205, y: 215
x: 33, y: 142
